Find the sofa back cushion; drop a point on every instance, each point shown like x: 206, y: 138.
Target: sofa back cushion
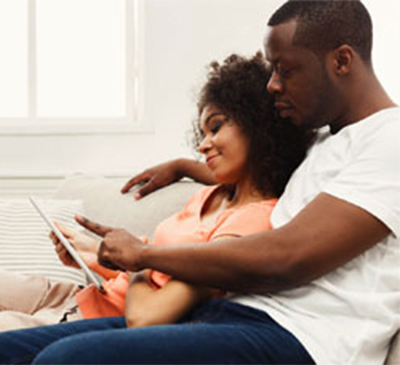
x: 103, y: 202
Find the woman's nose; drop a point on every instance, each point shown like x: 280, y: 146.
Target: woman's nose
x: 205, y: 145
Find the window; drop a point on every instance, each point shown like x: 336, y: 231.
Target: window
x: 69, y: 66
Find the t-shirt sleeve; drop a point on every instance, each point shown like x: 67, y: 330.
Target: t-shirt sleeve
x: 248, y: 220
x: 371, y: 180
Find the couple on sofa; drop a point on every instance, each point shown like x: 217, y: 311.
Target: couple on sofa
x: 323, y: 285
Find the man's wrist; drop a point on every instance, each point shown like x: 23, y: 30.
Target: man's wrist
x: 145, y: 257
x: 182, y: 167
x: 193, y: 169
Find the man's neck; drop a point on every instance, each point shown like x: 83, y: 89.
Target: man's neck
x: 370, y: 98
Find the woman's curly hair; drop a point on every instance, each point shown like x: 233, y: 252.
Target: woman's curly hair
x: 238, y: 88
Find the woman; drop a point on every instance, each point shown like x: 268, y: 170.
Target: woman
x: 250, y: 153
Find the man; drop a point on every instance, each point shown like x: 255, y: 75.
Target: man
x: 328, y: 273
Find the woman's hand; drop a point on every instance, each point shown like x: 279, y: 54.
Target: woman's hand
x: 119, y: 249
x: 86, y: 246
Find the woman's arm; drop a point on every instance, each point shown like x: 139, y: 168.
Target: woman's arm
x: 146, y: 306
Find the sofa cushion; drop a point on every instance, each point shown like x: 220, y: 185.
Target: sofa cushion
x: 24, y: 243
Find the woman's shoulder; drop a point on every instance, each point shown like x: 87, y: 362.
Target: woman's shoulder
x: 197, y: 200
x: 245, y: 220
x: 202, y: 195
x: 261, y: 207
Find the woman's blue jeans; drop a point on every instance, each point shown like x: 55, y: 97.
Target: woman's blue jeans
x: 218, y: 332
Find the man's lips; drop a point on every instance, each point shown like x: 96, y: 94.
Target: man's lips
x: 284, y: 109
x: 280, y: 105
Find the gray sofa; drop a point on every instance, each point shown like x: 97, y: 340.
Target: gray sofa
x: 103, y: 203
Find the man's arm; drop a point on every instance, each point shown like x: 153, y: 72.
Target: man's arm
x: 325, y: 235
x: 167, y: 173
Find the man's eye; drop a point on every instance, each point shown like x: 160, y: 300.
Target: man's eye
x: 285, y: 72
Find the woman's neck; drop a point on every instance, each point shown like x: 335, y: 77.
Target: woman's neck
x: 245, y: 192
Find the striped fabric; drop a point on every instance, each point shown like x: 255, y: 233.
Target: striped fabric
x: 24, y: 243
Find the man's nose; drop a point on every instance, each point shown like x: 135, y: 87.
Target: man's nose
x: 274, y: 85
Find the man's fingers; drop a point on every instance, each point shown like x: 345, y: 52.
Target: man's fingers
x: 103, y: 259
x: 146, y: 189
x: 96, y: 228
x: 138, y: 179
x: 109, y: 265
x: 128, y: 185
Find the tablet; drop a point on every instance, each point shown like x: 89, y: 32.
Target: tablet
x: 82, y: 264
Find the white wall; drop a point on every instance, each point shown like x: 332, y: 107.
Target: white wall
x: 386, y: 49
x: 181, y: 37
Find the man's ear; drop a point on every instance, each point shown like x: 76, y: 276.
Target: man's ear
x: 343, y: 59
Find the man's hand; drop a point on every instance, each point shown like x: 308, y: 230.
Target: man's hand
x: 154, y: 178
x: 119, y: 250
x: 167, y: 173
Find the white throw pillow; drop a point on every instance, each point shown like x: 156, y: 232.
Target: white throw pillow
x: 24, y: 243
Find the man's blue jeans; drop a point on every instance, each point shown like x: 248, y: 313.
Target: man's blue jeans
x: 218, y: 332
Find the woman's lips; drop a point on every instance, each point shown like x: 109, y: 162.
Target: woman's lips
x: 210, y: 160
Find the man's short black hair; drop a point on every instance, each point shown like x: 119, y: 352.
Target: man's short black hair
x: 324, y: 25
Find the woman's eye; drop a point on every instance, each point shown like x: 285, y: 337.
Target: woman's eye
x: 215, y: 127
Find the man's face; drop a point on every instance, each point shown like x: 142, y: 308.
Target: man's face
x: 300, y: 83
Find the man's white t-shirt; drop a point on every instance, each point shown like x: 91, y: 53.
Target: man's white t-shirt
x: 348, y: 315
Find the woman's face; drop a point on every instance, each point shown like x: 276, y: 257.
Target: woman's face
x: 224, y: 145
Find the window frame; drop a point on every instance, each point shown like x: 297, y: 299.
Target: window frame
x: 132, y: 122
